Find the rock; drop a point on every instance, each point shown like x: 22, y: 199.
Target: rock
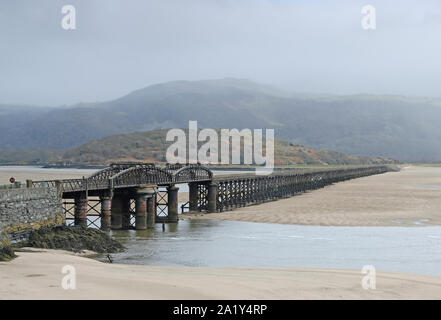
x: 73, y: 239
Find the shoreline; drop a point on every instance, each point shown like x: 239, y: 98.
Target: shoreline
x: 207, y: 216
x: 36, y: 274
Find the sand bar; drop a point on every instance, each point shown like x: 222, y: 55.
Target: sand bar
x: 411, y: 197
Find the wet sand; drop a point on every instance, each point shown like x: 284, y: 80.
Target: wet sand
x: 37, y: 275
x: 411, y: 197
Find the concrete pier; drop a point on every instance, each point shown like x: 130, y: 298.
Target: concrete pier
x: 80, y: 210
x: 172, y: 194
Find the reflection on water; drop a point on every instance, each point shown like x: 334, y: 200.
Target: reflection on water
x: 228, y: 243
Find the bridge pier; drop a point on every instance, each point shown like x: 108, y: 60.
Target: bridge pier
x: 120, y: 215
x: 172, y: 201
x: 193, y: 196
x: 144, y: 208
x: 141, y: 209
x: 151, y: 210
x: 80, y: 210
x: 106, y: 205
x: 212, y: 197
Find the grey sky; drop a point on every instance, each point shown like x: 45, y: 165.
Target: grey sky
x: 301, y: 45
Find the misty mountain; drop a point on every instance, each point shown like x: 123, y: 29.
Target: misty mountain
x: 386, y: 126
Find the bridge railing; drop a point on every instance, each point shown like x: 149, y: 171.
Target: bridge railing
x: 73, y: 185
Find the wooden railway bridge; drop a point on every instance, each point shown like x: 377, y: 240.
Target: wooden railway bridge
x: 133, y: 195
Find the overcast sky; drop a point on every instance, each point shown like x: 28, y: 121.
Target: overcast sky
x: 300, y: 45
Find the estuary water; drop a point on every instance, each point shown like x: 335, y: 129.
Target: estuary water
x: 247, y: 244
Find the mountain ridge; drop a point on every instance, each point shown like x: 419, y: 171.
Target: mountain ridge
x: 404, y: 128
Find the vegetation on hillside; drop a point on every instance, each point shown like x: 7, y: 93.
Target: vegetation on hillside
x: 151, y: 146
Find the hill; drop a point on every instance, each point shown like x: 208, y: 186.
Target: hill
x: 151, y: 146
x: 393, y: 127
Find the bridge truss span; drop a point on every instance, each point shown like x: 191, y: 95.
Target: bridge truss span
x: 140, y: 175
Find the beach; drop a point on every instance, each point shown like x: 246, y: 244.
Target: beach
x: 410, y: 197
x: 38, y: 275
